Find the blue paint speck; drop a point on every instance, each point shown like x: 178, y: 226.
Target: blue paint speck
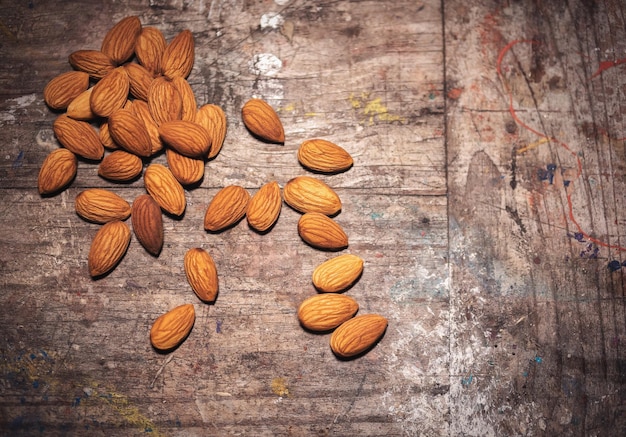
x: 35, y: 384
x: 218, y: 326
x: 17, y: 162
x: 614, y: 265
x: 468, y: 380
x: 538, y: 360
x: 376, y: 215
x: 76, y: 402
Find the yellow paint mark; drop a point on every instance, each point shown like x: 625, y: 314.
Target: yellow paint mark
x: 279, y: 387
x: 532, y: 145
x: 290, y: 107
x: 129, y: 413
x: 373, y: 109
x: 312, y: 114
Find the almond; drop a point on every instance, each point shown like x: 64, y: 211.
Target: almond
x: 128, y: 131
x: 139, y: 80
x: 309, y: 194
x: 164, y: 100
x: 179, y: 55
x: 120, y: 166
x: 78, y: 137
x: 110, y: 93
x: 322, y: 232
x: 189, y: 106
x: 165, y: 189
x: 108, y: 247
x: 141, y: 110
x: 357, y: 335
x: 324, y: 312
x: 64, y: 88
x: 147, y: 223
x: 324, y: 156
x: 213, y: 119
x: 227, y: 208
x: 119, y: 42
x: 201, y: 274
x: 80, y: 108
x: 264, y: 207
x: 93, y: 62
x: 149, y: 48
x: 57, y: 171
x: 104, y: 134
x: 186, y: 137
x: 186, y: 170
x: 262, y: 121
x: 170, y: 329
x: 338, y: 273
x: 101, y: 206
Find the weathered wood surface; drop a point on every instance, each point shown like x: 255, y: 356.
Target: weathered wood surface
x: 504, y: 316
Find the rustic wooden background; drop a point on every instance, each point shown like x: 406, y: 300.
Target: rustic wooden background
x: 487, y: 200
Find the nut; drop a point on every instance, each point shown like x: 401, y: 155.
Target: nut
x: 78, y: 137
x: 120, y: 166
x: 170, y: 329
x: 187, y: 171
x: 140, y: 79
x: 93, y: 62
x: 189, y: 104
x: 324, y: 156
x: 101, y: 206
x: 309, y: 194
x: 108, y: 247
x: 79, y: 108
x: 64, y: 88
x: 264, y: 207
x: 57, y: 171
x: 178, y: 57
x: 147, y: 223
x: 186, y: 137
x: 110, y: 93
x: 149, y: 48
x: 338, y: 273
x: 262, y: 121
x: 165, y: 189
x: 322, y: 232
x: 201, y: 274
x: 119, y: 42
x: 129, y: 132
x: 141, y: 110
x: 324, y: 312
x: 227, y: 208
x: 213, y: 119
x: 357, y: 335
x: 164, y: 100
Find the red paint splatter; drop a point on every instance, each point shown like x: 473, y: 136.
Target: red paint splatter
x: 605, y: 65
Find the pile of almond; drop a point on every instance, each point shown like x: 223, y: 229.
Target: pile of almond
x: 130, y: 101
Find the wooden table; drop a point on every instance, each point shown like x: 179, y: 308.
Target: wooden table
x: 487, y: 200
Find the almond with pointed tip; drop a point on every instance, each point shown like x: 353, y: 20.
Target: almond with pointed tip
x: 170, y: 329
x: 357, y: 335
x: 104, y: 134
x: 187, y: 171
x: 338, y: 273
x: 186, y: 137
x: 119, y: 42
x: 189, y: 104
x: 309, y: 194
x: 261, y: 119
x: 129, y: 132
x: 213, y: 119
x: 79, y: 137
x: 120, y: 166
x: 149, y: 48
x: 322, y: 232
x: 139, y: 80
x: 57, y: 171
x: 201, y: 274
x: 64, y: 88
x: 110, y: 93
x: 147, y: 221
x: 164, y: 100
x: 165, y: 189
x: 108, y: 247
x: 80, y: 108
x: 227, y: 207
x: 93, y: 62
x: 324, y: 156
x: 99, y: 205
x: 324, y: 312
x: 178, y: 56
x: 264, y: 207
x: 141, y: 110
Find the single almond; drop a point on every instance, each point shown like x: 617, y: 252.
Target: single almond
x: 322, y: 232
x: 264, y: 207
x: 201, y: 274
x: 324, y: 312
x: 164, y: 100
x: 129, y: 131
x: 101, y: 206
x: 323, y: 156
x: 139, y: 80
x: 147, y: 221
x: 187, y: 171
x: 119, y: 42
x: 64, y: 88
x: 93, y: 62
x: 104, y: 134
x: 186, y: 137
x: 149, y: 48
x: 120, y: 166
x: 141, y: 110
x: 357, y: 335
x: 170, y: 329
x: 213, y: 119
x: 110, y: 93
x: 189, y: 105
x: 57, y: 171
x: 165, y: 189
x: 227, y: 207
x: 79, y: 137
x: 262, y: 121
x: 80, y: 108
x: 309, y: 194
x: 338, y: 273
x: 178, y: 56
x: 108, y: 247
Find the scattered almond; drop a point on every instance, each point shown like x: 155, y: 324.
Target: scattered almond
x: 186, y: 137
x: 227, y: 208
x: 120, y: 166
x: 201, y: 274
x: 149, y: 48
x: 110, y: 93
x: 324, y: 156
x: 78, y: 137
x: 141, y: 110
x: 179, y: 54
x: 64, y: 88
x: 213, y: 119
x: 357, y: 335
x: 264, y: 207
x: 101, y: 206
x: 324, y: 312
x: 80, y: 108
x: 119, y: 42
x: 165, y: 189
x: 139, y: 80
x: 170, y: 329
x: 187, y: 171
x: 57, y: 171
x: 93, y: 62
x: 262, y: 121
x: 147, y: 221
x: 164, y: 100
x: 108, y: 247
x: 129, y: 132
x: 322, y: 232
x: 309, y: 194
x: 338, y: 273
x: 189, y: 106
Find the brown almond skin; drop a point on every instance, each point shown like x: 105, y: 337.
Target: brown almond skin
x: 324, y: 312
x: 141, y: 110
x: 213, y: 119
x: 93, y: 62
x: 79, y: 137
x: 164, y: 101
x: 324, y: 156
x: 170, y: 329
x: 201, y: 274
x: 149, y: 48
x: 264, y: 207
x: 189, y: 106
x: 165, y: 189
x: 186, y: 137
x: 139, y: 80
x: 120, y: 166
x: 80, y: 108
x: 119, y: 42
x: 179, y: 55
x: 147, y: 221
x: 262, y: 121
x: 357, y: 335
x: 338, y: 273
x: 110, y: 93
x: 227, y: 207
x: 101, y: 206
x: 108, y: 247
x: 187, y: 171
x: 129, y: 132
x: 64, y: 88
x: 57, y: 171
x: 309, y: 194
x: 322, y: 232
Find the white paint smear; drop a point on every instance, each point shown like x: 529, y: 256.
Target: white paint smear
x: 281, y: 2
x: 265, y: 64
x: 272, y: 21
